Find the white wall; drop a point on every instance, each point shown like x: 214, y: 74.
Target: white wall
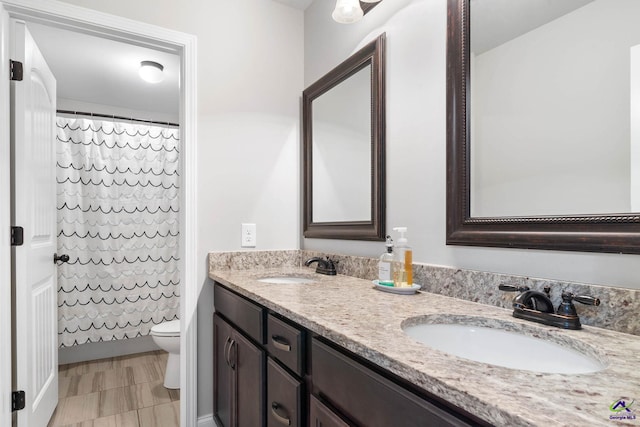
x: 250, y: 79
x: 552, y: 127
x: 416, y: 142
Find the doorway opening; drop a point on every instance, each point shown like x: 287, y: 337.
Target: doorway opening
x: 109, y: 27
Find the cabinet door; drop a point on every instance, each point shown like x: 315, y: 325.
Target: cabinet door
x: 248, y: 361
x: 284, y: 397
x: 222, y: 373
x: 321, y: 416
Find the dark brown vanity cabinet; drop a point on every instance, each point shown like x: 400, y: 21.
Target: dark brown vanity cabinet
x: 284, y: 397
x: 222, y: 372
x: 239, y: 361
x: 285, y: 342
x: 368, y: 398
x: 270, y: 371
x: 321, y: 416
x: 238, y: 377
x: 252, y: 387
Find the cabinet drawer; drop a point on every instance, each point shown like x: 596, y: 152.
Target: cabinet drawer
x: 368, y: 398
x: 285, y: 343
x: 284, y: 397
x: 244, y: 314
x: 321, y: 416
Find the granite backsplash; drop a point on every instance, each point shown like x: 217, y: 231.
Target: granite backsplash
x: 619, y: 309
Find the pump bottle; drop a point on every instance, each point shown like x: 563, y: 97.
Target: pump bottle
x: 402, y: 261
x: 385, y: 265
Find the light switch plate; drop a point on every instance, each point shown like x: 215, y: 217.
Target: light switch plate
x: 248, y: 236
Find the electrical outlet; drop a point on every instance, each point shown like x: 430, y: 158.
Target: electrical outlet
x: 248, y: 236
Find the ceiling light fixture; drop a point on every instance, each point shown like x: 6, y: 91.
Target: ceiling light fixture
x: 347, y: 11
x: 151, y: 71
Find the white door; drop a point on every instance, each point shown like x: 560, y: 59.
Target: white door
x: 33, y: 108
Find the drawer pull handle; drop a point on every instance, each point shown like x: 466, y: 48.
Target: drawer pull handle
x: 280, y: 343
x: 274, y: 410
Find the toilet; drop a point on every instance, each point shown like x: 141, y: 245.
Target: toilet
x: 166, y: 335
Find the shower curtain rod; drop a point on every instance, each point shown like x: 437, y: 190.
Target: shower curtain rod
x: 111, y: 116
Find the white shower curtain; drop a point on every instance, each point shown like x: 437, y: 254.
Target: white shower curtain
x: 118, y: 222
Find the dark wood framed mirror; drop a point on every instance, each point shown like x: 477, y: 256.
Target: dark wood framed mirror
x: 343, y: 116
x: 606, y: 229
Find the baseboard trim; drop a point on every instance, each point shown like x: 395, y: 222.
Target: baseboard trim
x: 207, y: 421
x: 101, y: 350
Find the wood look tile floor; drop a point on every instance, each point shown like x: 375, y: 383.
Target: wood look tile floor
x: 122, y: 391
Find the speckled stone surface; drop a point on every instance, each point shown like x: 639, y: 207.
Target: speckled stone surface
x: 350, y: 312
x: 245, y: 260
x: 619, y: 309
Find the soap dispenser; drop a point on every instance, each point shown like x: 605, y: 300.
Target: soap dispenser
x: 402, y: 261
x: 385, y: 267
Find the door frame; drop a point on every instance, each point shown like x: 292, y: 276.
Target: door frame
x: 5, y: 223
x: 71, y: 17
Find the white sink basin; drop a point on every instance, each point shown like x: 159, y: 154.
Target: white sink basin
x: 286, y: 280
x: 504, y: 348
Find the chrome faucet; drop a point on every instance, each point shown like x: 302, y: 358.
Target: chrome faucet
x: 325, y: 266
x: 537, y: 306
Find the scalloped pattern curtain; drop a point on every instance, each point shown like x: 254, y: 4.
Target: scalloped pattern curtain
x: 118, y: 222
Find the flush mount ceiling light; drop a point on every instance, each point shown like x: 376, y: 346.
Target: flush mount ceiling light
x: 369, y: 1
x: 347, y: 11
x: 151, y: 71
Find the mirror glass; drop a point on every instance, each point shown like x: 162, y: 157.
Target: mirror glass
x: 343, y: 147
x: 554, y: 97
x: 342, y: 151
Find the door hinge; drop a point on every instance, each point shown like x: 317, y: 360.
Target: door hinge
x: 18, y: 401
x: 16, y: 70
x: 17, y: 236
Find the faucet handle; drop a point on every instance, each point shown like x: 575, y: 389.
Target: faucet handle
x: 587, y: 299
x: 331, y: 265
x: 511, y: 288
x: 567, y: 307
x: 583, y: 299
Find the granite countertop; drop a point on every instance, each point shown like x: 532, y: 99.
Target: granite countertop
x: 351, y: 313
